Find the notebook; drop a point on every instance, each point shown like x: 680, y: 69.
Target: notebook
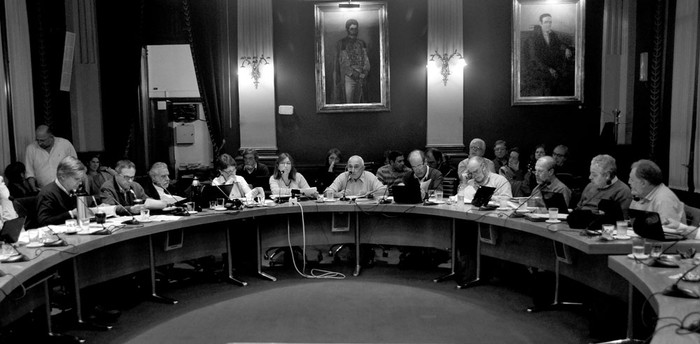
x: 647, y: 224
x: 407, y: 194
x: 11, y: 230
x: 555, y: 200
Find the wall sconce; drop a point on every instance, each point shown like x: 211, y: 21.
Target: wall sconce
x: 444, y: 65
x: 349, y: 5
x: 255, y: 63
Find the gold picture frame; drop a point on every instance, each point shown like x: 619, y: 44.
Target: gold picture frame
x: 548, y: 52
x: 352, y: 57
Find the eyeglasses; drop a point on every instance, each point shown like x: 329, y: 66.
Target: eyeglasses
x: 128, y: 177
x: 285, y: 163
x: 539, y: 172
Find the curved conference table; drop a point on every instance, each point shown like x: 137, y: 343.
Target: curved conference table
x: 92, y: 259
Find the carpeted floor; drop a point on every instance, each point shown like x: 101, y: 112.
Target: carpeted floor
x: 384, y: 304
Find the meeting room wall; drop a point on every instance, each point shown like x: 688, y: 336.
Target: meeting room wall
x: 487, y: 109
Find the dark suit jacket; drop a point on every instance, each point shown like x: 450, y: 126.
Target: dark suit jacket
x: 53, y: 205
x: 434, y: 175
x: 150, y: 189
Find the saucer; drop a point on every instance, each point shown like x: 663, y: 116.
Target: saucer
x: 553, y: 221
x: 621, y: 237
x: 220, y: 208
x: 641, y: 256
x: 34, y: 244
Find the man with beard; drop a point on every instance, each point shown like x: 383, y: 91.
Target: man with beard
x: 254, y: 172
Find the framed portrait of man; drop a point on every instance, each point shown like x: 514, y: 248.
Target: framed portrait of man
x: 548, y: 52
x: 352, y: 57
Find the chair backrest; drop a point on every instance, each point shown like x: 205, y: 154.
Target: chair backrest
x: 449, y: 186
x: 692, y: 216
x: 27, y: 207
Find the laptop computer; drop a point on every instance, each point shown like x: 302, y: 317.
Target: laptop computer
x: 647, y: 224
x: 608, y: 212
x: 555, y: 200
x: 11, y: 230
x: 483, y: 196
x: 407, y: 194
x: 212, y: 192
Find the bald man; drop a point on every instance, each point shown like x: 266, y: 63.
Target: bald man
x: 478, y: 175
x: 355, y: 181
x: 477, y: 147
x: 548, y: 181
x: 42, y: 157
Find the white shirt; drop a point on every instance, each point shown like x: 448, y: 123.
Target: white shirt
x: 240, y: 190
x: 42, y: 164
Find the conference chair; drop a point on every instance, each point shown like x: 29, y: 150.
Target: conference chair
x: 692, y: 216
x: 449, y: 186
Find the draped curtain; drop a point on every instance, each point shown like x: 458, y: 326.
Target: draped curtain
x: 203, y: 23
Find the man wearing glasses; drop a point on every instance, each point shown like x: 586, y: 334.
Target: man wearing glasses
x: 478, y: 174
x: 548, y: 181
x: 123, y: 190
x: 477, y: 148
x: 56, y: 202
x: 429, y: 178
x: 355, y: 181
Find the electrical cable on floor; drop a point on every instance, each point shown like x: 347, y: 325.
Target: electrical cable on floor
x: 324, y: 274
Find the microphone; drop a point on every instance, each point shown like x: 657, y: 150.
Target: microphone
x: 346, y: 187
x: 532, y: 194
x: 126, y: 186
x: 675, y: 291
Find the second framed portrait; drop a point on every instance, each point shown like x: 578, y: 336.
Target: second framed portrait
x: 548, y: 52
x: 352, y: 57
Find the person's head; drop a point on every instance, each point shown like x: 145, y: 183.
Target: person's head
x: 250, y: 157
x: 514, y: 158
x: 160, y: 175
x: 560, y: 154
x: 352, y: 27
x: 500, y: 149
x: 226, y: 166
x: 356, y: 165
x: 477, y: 169
x: 419, y: 164
x: 644, y: 177
x: 540, y: 151
x: 396, y: 160
x: 477, y: 147
x: 126, y: 169
x: 546, y: 22
x: 544, y: 169
x: 70, y: 173
x: 43, y: 136
x: 333, y: 156
x: 434, y: 157
x: 285, y: 165
x: 603, y: 170
x: 94, y: 163
x: 14, y: 172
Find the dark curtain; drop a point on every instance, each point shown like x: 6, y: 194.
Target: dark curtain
x: 121, y: 37
x: 203, y: 20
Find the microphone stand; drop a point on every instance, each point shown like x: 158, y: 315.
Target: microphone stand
x: 532, y: 194
x: 675, y: 291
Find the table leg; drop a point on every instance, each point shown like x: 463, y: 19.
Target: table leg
x: 259, y: 252
x: 152, y: 266
x: 477, y: 280
x: 450, y: 275
x: 79, y: 307
x: 357, y: 246
x: 229, y: 255
x: 630, y: 321
x: 556, y: 304
x: 49, y: 330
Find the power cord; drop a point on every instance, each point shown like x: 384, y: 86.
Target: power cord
x: 324, y: 274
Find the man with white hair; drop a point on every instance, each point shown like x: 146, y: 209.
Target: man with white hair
x: 158, y: 187
x: 477, y: 147
x: 355, y: 181
x: 604, y: 185
x: 479, y: 175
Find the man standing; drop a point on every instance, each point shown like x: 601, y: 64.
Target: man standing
x: 428, y: 178
x: 651, y: 194
x: 548, y: 181
x: 394, y: 171
x: 352, y: 66
x: 604, y: 185
x: 42, y: 157
x: 355, y: 181
x: 56, y: 202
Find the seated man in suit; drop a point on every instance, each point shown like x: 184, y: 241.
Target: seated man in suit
x: 548, y: 181
x: 7, y: 210
x: 651, y: 194
x: 355, y: 181
x: 158, y: 187
x: 56, y: 202
x: 124, y: 192
x: 428, y: 178
x: 604, y: 185
x: 477, y: 147
x: 478, y: 174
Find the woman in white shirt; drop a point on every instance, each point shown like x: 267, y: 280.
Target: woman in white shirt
x: 226, y: 166
x: 285, y: 178
x: 7, y: 210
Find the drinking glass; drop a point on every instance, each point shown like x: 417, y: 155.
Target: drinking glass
x: 145, y: 214
x: 656, y: 249
x: 432, y: 195
x: 84, y: 224
x: 638, y: 247
x: 438, y: 195
x: 220, y: 202
x: 212, y: 204
x: 621, y: 228
x: 553, y: 214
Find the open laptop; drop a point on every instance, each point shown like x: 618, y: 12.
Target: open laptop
x: 483, y: 196
x: 555, y: 200
x: 212, y: 192
x: 647, y: 224
x: 11, y: 230
x: 608, y: 212
x: 407, y: 194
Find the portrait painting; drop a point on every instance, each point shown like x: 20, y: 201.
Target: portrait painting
x: 352, y: 57
x: 547, y: 60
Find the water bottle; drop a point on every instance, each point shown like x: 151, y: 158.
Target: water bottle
x: 83, y: 200
x: 195, y: 194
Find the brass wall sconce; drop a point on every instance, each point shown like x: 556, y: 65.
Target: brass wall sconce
x: 255, y: 63
x: 444, y: 63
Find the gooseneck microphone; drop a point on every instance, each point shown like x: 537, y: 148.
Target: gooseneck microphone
x: 347, y: 181
x: 675, y: 291
x: 122, y: 183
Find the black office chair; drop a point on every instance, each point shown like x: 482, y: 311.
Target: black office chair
x: 449, y: 186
